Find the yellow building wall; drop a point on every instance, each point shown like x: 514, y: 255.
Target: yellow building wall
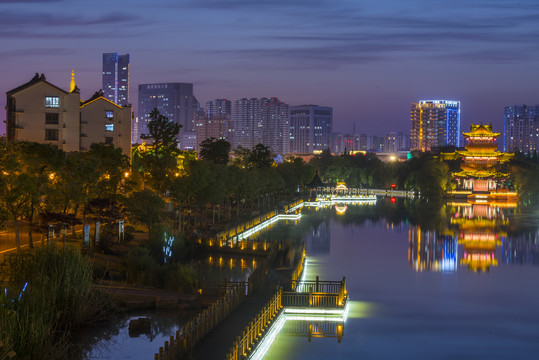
x: 31, y: 112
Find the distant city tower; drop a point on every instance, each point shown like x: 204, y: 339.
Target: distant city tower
x: 116, y: 78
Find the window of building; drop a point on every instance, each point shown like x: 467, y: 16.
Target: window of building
x: 51, y: 134
x: 52, y: 101
x: 51, y: 118
x: 109, y: 114
x: 109, y: 127
x: 108, y: 140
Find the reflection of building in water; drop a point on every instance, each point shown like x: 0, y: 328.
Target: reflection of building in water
x: 523, y: 249
x: 310, y: 329
x: 431, y: 251
x: 479, y: 234
x: 318, y: 239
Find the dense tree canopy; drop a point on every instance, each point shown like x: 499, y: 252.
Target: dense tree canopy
x: 215, y: 150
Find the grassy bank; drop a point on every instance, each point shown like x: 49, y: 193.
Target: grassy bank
x: 47, y: 295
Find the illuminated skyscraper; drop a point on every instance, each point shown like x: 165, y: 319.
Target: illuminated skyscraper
x: 116, y: 78
x: 310, y: 128
x: 435, y: 123
x: 521, y: 128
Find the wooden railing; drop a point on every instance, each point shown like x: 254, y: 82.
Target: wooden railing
x: 256, y: 328
x: 219, y: 288
x: 223, y: 238
x: 292, y: 205
x: 179, y: 346
x: 187, y: 336
x: 317, y: 286
x: 330, y: 294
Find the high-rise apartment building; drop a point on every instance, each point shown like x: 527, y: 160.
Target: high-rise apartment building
x: 219, y: 107
x: 275, y: 125
x: 247, y: 123
x: 116, y: 78
x: 364, y: 141
x: 310, y: 128
x: 395, y: 141
x: 173, y: 100
x: 435, y: 123
x: 263, y: 121
x: 521, y: 128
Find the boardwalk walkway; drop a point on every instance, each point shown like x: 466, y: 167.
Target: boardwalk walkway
x: 217, y: 343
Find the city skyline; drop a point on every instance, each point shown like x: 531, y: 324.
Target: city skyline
x: 342, y: 54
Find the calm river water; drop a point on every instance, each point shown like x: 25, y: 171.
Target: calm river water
x: 457, y: 282
x: 425, y: 282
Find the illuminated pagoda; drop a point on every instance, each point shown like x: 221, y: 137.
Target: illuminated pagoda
x: 479, y: 177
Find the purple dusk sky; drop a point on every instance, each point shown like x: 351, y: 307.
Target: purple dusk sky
x: 369, y: 60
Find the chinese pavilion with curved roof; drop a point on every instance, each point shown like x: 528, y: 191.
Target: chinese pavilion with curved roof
x: 480, y: 176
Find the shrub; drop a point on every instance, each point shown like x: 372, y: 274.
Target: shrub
x: 180, y: 277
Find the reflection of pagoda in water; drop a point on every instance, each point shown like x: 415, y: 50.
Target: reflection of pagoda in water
x: 479, y: 233
x: 431, y: 251
x: 480, y: 177
x: 476, y: 228
x: 318, y: 239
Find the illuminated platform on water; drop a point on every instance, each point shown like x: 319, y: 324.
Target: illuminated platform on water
x: 300, y: 313
x: 297, y: 314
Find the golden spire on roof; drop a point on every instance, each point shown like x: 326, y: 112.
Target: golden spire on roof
x: 72, y: 85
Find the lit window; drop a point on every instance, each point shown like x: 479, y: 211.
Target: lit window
x: 109, y: 127
x: 109, y: 114
x: 52, y: 101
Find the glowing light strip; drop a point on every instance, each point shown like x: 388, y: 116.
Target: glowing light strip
x: 315, y: 318
x: 289, y: 216
x: 268, y: 338
x: 313, y: 311
x: 352, y: 198
x: 322, y: 202
x: 300, y: 205
x: 245, y: 234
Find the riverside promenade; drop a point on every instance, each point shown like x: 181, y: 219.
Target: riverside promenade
x: 217, y: 343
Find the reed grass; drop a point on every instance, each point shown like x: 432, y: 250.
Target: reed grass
x: 57, y: 299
